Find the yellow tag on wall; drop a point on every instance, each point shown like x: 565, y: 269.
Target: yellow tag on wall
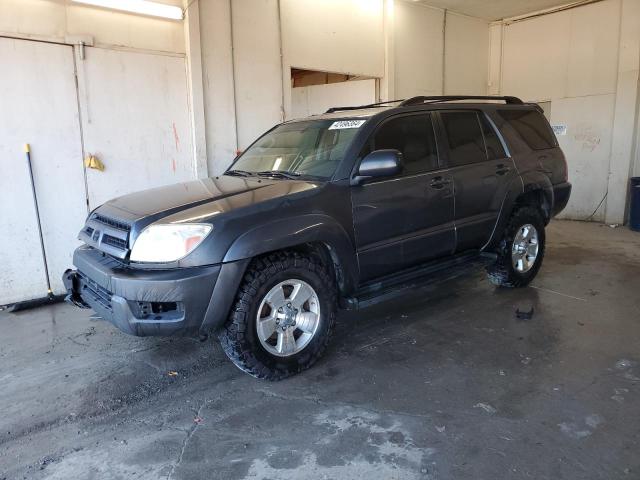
x: 93, y: 162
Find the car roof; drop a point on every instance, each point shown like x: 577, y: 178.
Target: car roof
x: 420, y: 103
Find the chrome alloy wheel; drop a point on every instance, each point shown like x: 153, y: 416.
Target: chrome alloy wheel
x: 525, y: 248
x: 288, y: 317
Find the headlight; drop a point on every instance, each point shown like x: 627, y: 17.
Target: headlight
x: 168, y: 243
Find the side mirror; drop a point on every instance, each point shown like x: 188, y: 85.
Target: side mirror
x: 381, y: 163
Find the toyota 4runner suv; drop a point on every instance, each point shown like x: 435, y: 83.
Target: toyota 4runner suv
x: 337, y: 210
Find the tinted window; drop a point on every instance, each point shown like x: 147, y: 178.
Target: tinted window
x: 413, y: 136
x: 532, y: 127
x: 466, y: 144
x: 494, y: 146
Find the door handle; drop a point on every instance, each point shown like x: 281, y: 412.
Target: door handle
x: 502, y: 169
x: 439, y: 183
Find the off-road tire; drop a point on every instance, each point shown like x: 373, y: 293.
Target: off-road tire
x: 502, y: 273
x: 239, y: 338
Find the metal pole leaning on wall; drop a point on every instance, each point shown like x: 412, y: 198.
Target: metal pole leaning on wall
x: 27, y: 149
x: 50, y: 296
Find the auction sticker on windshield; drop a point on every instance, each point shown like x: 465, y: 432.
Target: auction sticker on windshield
x: 346, y: 124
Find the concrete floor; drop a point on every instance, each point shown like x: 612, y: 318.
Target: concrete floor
x: 446, y: 385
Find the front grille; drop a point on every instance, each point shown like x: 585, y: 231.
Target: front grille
x: 94, y: 291
x: 112, y: 222
x: 118, y: 243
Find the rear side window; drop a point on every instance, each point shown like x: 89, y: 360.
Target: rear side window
x: 413, y: 136
x: 466, y: 142
x: 495, y: 150
x: 531, y: 126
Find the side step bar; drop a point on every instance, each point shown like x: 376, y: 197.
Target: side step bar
x: 401, y: 283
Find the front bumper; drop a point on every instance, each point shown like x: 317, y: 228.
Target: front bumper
x: 142, y: 302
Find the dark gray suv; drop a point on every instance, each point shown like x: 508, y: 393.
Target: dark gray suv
x: 338, y: 210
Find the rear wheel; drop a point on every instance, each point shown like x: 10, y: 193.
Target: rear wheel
x: 283, y: 317
x: 521, y: 250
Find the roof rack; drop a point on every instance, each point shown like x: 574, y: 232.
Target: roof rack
x: 359, y: 107
x: 449, y: 98
x: 421, y: 100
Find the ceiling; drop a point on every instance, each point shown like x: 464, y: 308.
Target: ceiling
x: 495, y: 9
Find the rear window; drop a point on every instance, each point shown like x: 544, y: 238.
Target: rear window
x: 531, y: 126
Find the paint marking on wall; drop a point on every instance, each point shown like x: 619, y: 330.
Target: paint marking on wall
x: 176, y: 138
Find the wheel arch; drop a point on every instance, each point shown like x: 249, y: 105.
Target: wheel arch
x: 316, y: 234
x: 529, y: 189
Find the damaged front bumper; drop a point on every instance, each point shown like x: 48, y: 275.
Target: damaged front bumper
x: 138, y: 301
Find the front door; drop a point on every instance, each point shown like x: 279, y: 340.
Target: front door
x: 406, y: 219
x: 481, y: 172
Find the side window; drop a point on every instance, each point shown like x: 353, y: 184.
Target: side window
x: 413, y: 136
x: 531, y: 126
x: 466, y: 144
x: 495, y: 150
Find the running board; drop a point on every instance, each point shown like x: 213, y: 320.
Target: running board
x: 401, y: 283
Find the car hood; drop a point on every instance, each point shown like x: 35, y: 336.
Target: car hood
x: 156, y: 203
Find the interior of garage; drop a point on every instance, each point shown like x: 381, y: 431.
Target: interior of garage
x: 450, y: 385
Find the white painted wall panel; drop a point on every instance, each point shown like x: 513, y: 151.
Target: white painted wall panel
x: 571, y: 58
x: 587, y: 147
x: 55, y: 19
x: 592, y: 67
x: 135, y: 118
x: 317, y: 99
x: 38, y: 106
x: 466, y: 55
x: 257, y: 66
x: 418, y: 58
x: 536, y: 55
x: 495, y: 59
x: 345, y: 36
x: 217, y: 73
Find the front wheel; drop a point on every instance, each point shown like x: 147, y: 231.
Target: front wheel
x: 283, y: 317
x: 521, y: 250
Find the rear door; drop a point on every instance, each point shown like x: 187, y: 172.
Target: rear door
x: 481, y: 171
x: 406, y: 219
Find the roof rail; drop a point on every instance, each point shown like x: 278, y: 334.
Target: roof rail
x: 359, y: 107
x: 449, y: 98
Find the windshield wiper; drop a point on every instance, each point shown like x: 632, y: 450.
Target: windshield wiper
x: 239, y: 173
x: 279, y: 174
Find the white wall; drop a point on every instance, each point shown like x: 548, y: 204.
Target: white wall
x: 436, y: 56
x: 55, y: 19
x: 130, y: 94
x: 419, y: 49
x: 585, y: 62
x: 257, y: 67
x: 343, y: 36
x: 316, y: 99
x: 247, y: 85
x: 466, y: 55
x: 218, y: 83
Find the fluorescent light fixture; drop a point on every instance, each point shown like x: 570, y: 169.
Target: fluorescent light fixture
x: 143, y: 7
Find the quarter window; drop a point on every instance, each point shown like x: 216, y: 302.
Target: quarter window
x: 466, y: 143
x: 413, y: 136
x: 532, y: 127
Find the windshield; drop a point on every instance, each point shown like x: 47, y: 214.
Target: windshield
x: 312, y: 148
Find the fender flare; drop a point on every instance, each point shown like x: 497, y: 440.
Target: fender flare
x: 526, y: 182
x: 298, y: 230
